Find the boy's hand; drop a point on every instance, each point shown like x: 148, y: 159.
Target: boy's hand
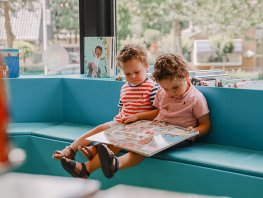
x: 130, y: 119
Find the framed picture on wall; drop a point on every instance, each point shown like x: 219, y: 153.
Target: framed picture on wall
x: 99, y: 57
x: 9, y: 63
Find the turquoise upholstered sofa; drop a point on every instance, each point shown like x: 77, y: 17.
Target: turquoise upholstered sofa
x: 50, y: 112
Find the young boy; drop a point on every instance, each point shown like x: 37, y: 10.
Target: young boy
x: 133, y: 62
x: 178, y: 103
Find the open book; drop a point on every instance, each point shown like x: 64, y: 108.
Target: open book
x: 144, y: 137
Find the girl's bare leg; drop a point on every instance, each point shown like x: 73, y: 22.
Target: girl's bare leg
x: 129, y: 159
x: 82, y: 141
x: 94, y: 164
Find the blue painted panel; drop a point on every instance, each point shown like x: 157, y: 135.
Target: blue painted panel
x: 236, y: 117
x: 90, y: 101
x: 36, y: 99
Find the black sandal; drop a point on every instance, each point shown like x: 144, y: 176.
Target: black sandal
x: 70, y: 166
x: 108, y: 161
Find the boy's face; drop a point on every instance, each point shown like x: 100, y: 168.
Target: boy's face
x: 174, y: 87
x: 134, y: 71
x: 98, y: 52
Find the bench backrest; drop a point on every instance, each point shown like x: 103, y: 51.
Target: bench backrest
x: 236, y: 117
x: 236, y: 114
x: 35, y: 99
x: 91, y: 101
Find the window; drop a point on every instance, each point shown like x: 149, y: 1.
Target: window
x: 36, y: 26
x: 232, y: 31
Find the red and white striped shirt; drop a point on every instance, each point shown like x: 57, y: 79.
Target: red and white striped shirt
x: 136, y: 99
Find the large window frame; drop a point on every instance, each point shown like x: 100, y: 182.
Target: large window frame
x: 96, y: 18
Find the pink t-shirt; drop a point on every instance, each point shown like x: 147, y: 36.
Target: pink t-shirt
x: 183, y: 111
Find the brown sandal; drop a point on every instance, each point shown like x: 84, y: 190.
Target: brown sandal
x: 59, y: 154
x: 87, y: 151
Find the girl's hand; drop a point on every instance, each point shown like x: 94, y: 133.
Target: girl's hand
x: 130, y: 119
x: 190, y: 128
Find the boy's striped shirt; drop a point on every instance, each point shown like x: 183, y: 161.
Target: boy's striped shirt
x: 136, y: 99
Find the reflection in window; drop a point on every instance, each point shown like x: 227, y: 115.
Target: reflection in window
x: 165, y: 26
x: 31, y: 30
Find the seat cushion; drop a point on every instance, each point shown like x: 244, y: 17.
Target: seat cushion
x: 27, y: 128
x: 218, y: 156
x: 63, y: 131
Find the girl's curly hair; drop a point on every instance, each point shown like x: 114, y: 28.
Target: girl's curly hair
x: 132, y: 52
x: 170, y: 66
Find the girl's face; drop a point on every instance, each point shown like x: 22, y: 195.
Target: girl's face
x: 174, y: 87
x: 98, y: 52
x: 134, y: 71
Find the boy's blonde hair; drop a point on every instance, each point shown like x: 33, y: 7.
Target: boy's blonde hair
x: 132, y: 52
x: 170, y: 66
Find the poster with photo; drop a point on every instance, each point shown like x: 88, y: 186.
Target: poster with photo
x: 144, y: 137
x: 9, y: 63
x: 99, y: 57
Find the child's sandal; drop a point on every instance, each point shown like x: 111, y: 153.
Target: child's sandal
x: 108, y: 161
x: 61, y: 154
x: 70, y: 167
x: 88, y: 151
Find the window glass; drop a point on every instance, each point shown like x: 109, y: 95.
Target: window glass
x: 39, y: 26
x: 221, y: 40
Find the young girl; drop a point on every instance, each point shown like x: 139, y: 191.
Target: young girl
x: 133, y: 62
x: 93, y: 67
x: 178, y: 103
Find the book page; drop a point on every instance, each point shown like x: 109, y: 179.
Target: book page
x: 144, y: 137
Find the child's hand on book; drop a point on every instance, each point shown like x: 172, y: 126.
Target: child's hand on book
x: 190, y: 128
x: 129, y: 119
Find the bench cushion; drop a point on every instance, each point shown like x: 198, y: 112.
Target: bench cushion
x: 63, y: 131
x: 216, y: 156
x: 234, y: 159
x: 27, y: 128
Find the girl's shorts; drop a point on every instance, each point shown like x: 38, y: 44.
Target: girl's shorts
x: 112, y: 123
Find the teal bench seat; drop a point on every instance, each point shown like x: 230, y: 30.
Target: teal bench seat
x: 63, y: 131
x: 227, y: 158
x: 27, y: 128
x: 226, y: 162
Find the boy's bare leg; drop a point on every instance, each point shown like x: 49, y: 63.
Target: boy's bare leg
x: 129, y: 159
x: 94, y: 164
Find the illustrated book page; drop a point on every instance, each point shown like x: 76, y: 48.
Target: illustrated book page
x: 144, y: 137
